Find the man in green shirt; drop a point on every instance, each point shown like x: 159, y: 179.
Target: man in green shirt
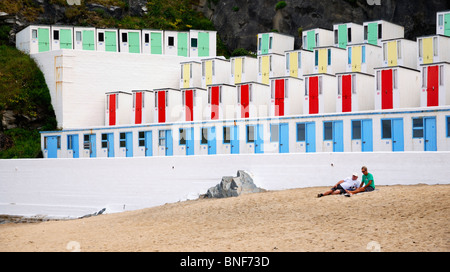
x: 367, y: 183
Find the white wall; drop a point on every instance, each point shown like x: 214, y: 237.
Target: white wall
x: 75, y: 187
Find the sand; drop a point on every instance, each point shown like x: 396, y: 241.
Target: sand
x: 393, y: 218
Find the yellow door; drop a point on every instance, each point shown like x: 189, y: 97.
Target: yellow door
x: 265, y: 69
x: 392, y: 53
x: 186, y: 75
x: 427, y: 50
x: 356, y: 58
x: 323, y: 60
x: 237, y: 70
x: 208, y: 72
x: 293, y: 63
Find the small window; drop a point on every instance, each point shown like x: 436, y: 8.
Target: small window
x: 378, y: 79
x: 270, y: 63
x: 86, y: 141
x: 317, y: 39
x: 366, y: 32
x: 194, y: 42
x: 104, y: 140
x: 435, y: 46
x: 270, y: 42
x: 34, y: 34
x: 204, y: 136
x: 385, y: 51
x: 274, y: 133
x: 395, y: 75
x: 171, y: 41
x: 124, y: 37
x: 182, y: 136
x: 286, y: 88
x: 327, y: 131
x: 227, y: 135
x: 339, y: 85
x: 336, y: 35
x: 69, y: 142
x: 417, y: 127
x: 299, y: 60
x: 141, y: 138
x: 288, y: 64
x: 320, y: 85
x: 190, y: 70
x: 386, y: 128
x: 441, y: 75
x: 353, y: 84
x: 147, y: 38
x: 356, y: 130
x: 162, y: 138
x: 380, y: 31
x: 420, y: 48
x: 306, y: 86
x: 349, y: 33
x: 250, y: 134
x: 301, y: 132
x: 399, y: 49
x: 424, y: 77
x: 122, y: 140
x: 259, y: 43
x: 78, y: 36
x: 316, y: 57
x: 363, y: 54
x: 441, y: 20
x: 101, y: 37
x: 56, y: 35
x: 448, y: 126
x: 349, y: 55
x: 329, y: 57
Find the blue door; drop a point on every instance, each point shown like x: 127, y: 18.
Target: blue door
x: 110, y: 144
x: 93, y: 146
x: 129, y: 144
x: 397, y: 135
x: 259, y: 140
x: 310, y: 139
x: 52, y: 146
x: 190, y: 142
x: 72, y: 144
x: 430, y: 133
x: 212, y: 141
x: 148, y: 144
x: 338, y: 136
x: 284, y: 138
x: 366, y: 136
x: 234, y: 139
x: 169, y: 143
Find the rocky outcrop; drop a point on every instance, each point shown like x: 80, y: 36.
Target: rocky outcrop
x: 234, y: 186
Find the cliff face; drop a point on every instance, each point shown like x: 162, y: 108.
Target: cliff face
x: 238, y: 22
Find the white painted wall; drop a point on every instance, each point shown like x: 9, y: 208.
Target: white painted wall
x: 75, y: 187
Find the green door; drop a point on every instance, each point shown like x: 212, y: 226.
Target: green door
x: 110, y: 41
x: 133, y: 42
x: 65, y: 39
x: 311, y: 39
x: 43, y: 39
x: 343, y: 34
x: 155, y: 43
x: 182, y: 44
x: 88, y: 40
x: 372, y: 33
x: 265, y: 44
x: 447, y: 24
x: 203, y: 44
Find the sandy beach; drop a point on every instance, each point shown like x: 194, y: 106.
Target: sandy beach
x: 392, y: 218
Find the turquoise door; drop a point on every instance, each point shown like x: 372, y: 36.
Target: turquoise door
x: 265, y: 44
x: 52, y: 146
x: 90, y: 143
x: 366, y: 136
x: 110, y: 144
x: 129, y: 144
x: 447, y: 24
x: 284, y: 138
x: 234, y: 140
x: 88, y: 40
x: 310, y: 139
x: 203, y: 44
x: 156, y: 43
x: 212, y: 141
x: 65, y: 39
x: 397, y: 135
x: 372, y: 33
x: 342, y: 36
x: 43, y: 39
x: 338, y: 136
x: 148, y: 144
x: 430, y: 133
x: 169, y: 143
x: 134, y: 45
x: 110, y: 41
x: 182, y: 44
x: 190, y: 142
x: 72, y: 144
x: 259, y: 140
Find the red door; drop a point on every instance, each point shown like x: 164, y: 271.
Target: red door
x: 161, y: 106
x: 112, y: 109
x: 433, y: 86
x: 279, y: 97
x: 347, y: 93
x: 215, y: 95
x: 386, y: 91
x: 313, y: 95
x: 138, y: 108
x: 189, y: 100
x: 245, y: 101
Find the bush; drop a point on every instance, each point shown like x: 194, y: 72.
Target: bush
x: 280, y: 5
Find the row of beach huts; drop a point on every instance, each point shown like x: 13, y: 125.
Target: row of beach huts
x: 352, y: 88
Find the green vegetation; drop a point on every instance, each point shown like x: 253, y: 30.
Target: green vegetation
x: 280, y: 5
x: 242, y: 52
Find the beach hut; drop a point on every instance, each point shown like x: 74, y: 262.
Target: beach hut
x: 299, y: 62
x: 320, y: 94
x: 118, y: 108
x: 107, y: 40
x: 286, y: 96
x: 329, y: 60
x: 176, y: 43
x: 61, y: 37
x: 33, y: 39
x: 194, y: 100
x: 355, y: 92
x: 435, y: 84
x: 221, y: 102
x: 152, y: 42
x: 317, y: 37
x: 347, y: 33
x: 130, y: 41
x: 143, y: 106
x: 243, y: 69
x: 399, y: 52
x: 202, y: 43
x: 433, y: 49
x: 269, y: 43
x: 376, y: 31
x: 396, y: 87
x: 253, y: 100
x: 168, y: 106
x: 191, y: 74
x: 84, y: 38
x: 443, y: 23
x: 215, y: 71
x: 363, y: 58
x: 270, y: 65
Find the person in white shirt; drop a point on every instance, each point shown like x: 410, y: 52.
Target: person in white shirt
x: 343, y: 186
